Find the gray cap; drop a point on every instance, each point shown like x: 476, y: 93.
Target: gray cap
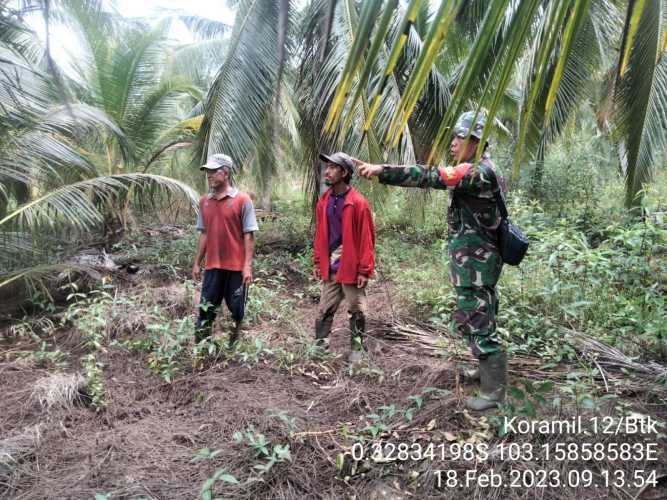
x: 341, y: 159
x: 218, y: 161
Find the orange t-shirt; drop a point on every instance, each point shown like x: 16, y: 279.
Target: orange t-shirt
x: 224, y: 222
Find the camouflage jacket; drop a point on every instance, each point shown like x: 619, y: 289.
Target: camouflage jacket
x: 473, y: 215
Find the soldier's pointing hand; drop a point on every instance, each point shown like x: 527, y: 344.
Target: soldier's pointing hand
x: 366, y: 169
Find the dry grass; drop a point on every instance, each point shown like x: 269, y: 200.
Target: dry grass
x: 58, y: 390
x: 17, y: 447
x: 606, y: 357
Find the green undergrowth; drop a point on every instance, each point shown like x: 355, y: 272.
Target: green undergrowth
x: 158, y: 323
x: 591, y: 268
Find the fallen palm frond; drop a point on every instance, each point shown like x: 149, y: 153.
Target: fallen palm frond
x: 423, y: 338
x: 17, y: 447
x: 611, y: 358
x: 59, y: 390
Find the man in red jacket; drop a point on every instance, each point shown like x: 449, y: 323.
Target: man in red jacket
x: 344, y: 251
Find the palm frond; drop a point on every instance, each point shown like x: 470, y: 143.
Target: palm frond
x: 420, y: 73
x: 204, y: 28
x: 157, y: 113
x: 198, y: 61
x: 283, y: 29
x: 513, y: 44
x: 326, y: 29
x: 584, y: 60
x: 133, y: 69
x: 432, y: 104
x: 17, y: 37
x: 96, y: 30
x: 45, y: 147
x: 607, y: 21
x: 577, y: 17
x: 378, y: 42
x: 408, y: 20
x: 546, y: 39
x: 23, y: 89
x: 474, y: 67
x: 641, y: 96
x: 37, y: 273
x: 242, y: 91
x: 368, y: 142
x: 635, y: 13
x: 78, y: 205
x: 364, y: 25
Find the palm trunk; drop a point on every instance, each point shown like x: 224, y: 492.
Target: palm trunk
x: 538, y: 175
x: 266, y: 201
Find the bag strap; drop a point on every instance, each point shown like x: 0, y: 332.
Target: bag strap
x: 500, y: 200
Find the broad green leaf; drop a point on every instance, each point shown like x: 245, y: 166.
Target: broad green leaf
x: 516, y: 393
x: 228, y: 478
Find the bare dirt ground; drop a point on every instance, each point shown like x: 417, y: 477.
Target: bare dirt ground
x: 143, y: 444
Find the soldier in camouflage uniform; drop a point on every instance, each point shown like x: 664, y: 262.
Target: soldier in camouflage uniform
x: 475, y: 262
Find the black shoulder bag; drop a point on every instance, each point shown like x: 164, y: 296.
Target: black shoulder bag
x: 512, y: 243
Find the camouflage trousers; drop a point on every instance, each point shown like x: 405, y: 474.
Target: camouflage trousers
x: 475, y: 318
x: 475, y: 266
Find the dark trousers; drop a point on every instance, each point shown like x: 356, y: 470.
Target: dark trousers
x: 220, y: 284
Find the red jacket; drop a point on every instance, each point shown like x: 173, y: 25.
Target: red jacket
x: 358, y: 255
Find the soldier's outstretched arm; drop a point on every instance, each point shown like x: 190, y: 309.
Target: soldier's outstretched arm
x: 414, y: 175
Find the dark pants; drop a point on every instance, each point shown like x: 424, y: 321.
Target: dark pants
x: 219, y: 284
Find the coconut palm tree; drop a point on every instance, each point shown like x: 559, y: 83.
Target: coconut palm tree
x: 281, y: 69
x: 123, y: 68
x: 80, y: 160
x: 557, y: 46
x: 242, y: 107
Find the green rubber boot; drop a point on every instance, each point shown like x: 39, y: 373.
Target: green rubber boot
x: 357, y: 331
x: 493, y: 378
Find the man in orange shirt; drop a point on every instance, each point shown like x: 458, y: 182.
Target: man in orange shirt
x: 227, y: 224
